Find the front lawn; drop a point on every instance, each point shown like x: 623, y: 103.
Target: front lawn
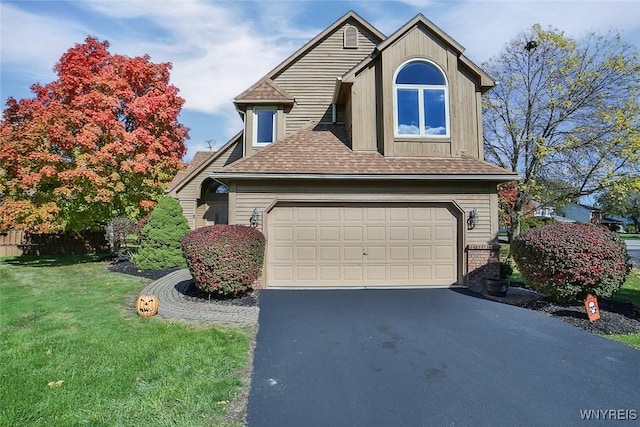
x: 74, y: 352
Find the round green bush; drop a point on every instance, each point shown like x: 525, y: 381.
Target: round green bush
x: 569, y: 261
x: 226, y: 259
x: 161, y: 237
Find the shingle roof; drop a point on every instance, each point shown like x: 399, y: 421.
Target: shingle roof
x: 323, y: 149
x: 199, y: 158
x: 265, y: 89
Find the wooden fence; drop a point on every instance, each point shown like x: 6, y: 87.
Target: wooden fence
x: 17, y: 242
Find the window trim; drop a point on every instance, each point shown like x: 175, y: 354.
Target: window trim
x: 345, y: 36
x: 421, y: 113
x: 254, y: 139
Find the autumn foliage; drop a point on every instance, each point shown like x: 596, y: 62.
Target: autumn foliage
x: 569, y: 261
x: 224, y: 259
x: 101, y: 141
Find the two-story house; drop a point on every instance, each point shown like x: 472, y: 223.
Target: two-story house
x: 361, y: 160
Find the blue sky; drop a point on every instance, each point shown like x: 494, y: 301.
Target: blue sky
x: 219, y: 48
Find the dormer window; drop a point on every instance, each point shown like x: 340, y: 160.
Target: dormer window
x: 350, y: 37
x: 264, y: 126
x: 421, y: 99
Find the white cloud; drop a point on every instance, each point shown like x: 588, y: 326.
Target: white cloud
x: 216, y: 51
x: 483, y: 28
x: 35, y: 43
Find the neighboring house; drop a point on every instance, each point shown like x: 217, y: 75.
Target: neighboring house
x: 361, y: 160
x: 545, y: 211
x: 583, y: 213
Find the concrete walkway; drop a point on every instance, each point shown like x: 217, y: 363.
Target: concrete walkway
x: 175, y: 305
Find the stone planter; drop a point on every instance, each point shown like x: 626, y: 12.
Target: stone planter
x: 497, y: 287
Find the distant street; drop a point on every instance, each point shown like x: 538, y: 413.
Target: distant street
x: 633, y: 247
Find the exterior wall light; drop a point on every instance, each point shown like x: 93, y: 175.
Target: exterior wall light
x: 255, y: 217
x: 472, y: 219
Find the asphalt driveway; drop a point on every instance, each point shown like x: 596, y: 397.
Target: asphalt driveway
x: 430, y: 358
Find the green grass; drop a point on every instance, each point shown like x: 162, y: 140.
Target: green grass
x: 627, y: 236
x: 74, y: 353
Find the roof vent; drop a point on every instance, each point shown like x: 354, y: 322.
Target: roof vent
x: 350, y: 37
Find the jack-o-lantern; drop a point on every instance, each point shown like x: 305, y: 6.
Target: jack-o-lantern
x: 147, y: 305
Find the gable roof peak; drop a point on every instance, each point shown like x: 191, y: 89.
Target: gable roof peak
x: 420, y: 19
x: 264, y: 90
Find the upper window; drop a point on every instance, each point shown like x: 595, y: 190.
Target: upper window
x: 350, y: 38
x: 264, y: 126
x: 421, y: 100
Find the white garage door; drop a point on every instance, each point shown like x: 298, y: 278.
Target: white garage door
x: 367, y: 245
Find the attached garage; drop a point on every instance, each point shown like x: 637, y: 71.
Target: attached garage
x: 362, y: 244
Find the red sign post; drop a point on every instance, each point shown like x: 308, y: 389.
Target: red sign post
x: 591, y: 305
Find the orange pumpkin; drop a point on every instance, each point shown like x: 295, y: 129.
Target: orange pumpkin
x: 147, y: 305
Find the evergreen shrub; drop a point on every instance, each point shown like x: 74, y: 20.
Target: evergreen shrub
x: 161, y: 237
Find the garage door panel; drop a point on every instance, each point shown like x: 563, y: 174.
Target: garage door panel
x: 306, y: 214
x: 283, y: 273
x: 375, y: 215
x: 329, y: 234
x: 443, y: 253
x: 306, y: 253
x: 376, y: 273
x: 445, y: 233
x: 421, y: 272
x: 398, y: 273
x: 328, y: 214
x: 282, y: 215
x: 399, y: 253
x: 421, y: 253
x: 352, y: 253
x: 282, y: 233
x: 399, y: 233
x: 329, y: 273
x: 376, y: 253
x: 306, y: 234
x: 376, y: 233
x: 352, y: 234
x: 330, y: 253
x: 361, y: 246
x: 283, y: 253
x: 353, y: 272
x: 352, y: 215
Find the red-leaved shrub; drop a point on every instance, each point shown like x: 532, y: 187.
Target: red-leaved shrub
x: 226, y: 259
x: 569, y: 261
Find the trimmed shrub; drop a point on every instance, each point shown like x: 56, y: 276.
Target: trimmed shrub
x: 506, y: 269
x: 226, y: 259
x: 533, y: 222
x: 569, y: 261
x: 161, y: 237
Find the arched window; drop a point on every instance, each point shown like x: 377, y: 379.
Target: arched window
x: 421, y: 99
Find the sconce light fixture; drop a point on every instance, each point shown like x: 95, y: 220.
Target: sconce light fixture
x: 255, y: 216
x: 472, y: 219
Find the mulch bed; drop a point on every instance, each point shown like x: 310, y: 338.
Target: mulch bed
x: 615, y: 317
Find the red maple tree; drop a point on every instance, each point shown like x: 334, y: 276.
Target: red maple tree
x: 101, y: 141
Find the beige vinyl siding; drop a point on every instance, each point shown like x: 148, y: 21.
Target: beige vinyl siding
x: 363, y: 95
x: 467, y: 196
x: 312, y: 78
x: 463, y: 114
x: 189, y: 211
x: 191, y: 191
